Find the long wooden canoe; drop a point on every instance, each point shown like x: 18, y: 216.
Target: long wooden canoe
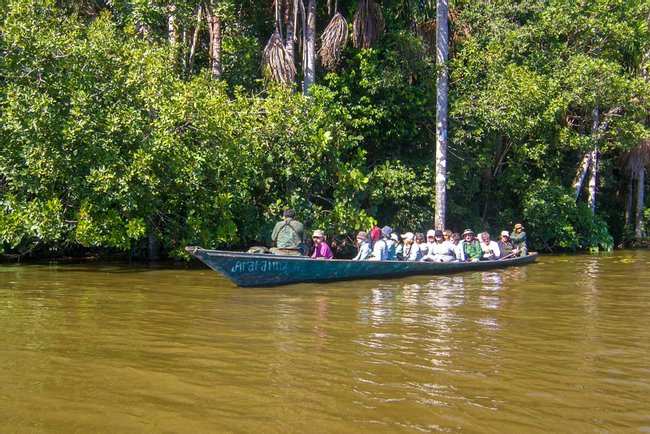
x: 263, y: 269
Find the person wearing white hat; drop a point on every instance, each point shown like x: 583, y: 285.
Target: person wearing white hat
x: 505, y: 245
x: 440, y: 250
x: 395, y: 248
x: 412, y: 251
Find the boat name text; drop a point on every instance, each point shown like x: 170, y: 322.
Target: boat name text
x: 259, y: 266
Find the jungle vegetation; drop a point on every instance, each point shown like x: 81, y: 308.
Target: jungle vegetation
x: 143, y: 126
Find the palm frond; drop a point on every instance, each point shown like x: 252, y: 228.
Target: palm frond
x: 368, y: 24
x: 333, y: 40
x: 278, y: 65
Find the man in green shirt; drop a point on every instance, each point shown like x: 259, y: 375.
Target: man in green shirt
x: 289, y: 235
x: 471, y: 247
x: 518, y: 238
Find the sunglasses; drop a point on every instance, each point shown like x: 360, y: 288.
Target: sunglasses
x: 318, y: 238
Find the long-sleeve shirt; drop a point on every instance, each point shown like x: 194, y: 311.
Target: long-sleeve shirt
x: 412, y: 252
x: 364, y: 251
x: 519, y: 240
x: 322, y: 250
x: 440, y: 252
x: 379, y: 251
x: 472, y: 250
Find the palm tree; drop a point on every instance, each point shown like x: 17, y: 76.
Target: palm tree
x: 442, y: 111
x: 277, y: 61
x: 309, y: 64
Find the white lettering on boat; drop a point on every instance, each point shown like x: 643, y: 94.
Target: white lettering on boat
x: 259, y: 266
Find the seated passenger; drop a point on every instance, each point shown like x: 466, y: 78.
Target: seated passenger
x: 458, y: 247
x: 518, y: 238
x: 440, y: 250
x: 429, y: 242
x: 506, y: 245
x: 321, y: 248
x: 363, y: 244
x: 397, y: 249
x: 470, y: 247
x: 289, y: 235
x: 422, y: 243
x: 490, y: 248
x: 412, y: 250
x: 380, y: 246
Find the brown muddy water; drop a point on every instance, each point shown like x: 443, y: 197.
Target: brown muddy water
x: 562, y: 345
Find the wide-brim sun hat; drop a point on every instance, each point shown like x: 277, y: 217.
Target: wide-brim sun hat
x: 519, y: 226
x: 318, y: 233
x: 394, y: 236
x: 505, y: 233
x: 362, y: 235
x: 386, y: 231
x: 431, y: 233
x: 468, y: 232
x: 408, y: 236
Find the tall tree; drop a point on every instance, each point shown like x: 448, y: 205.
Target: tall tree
x: 215, y: 28
x: 442, y: 112
x: 309, y: 63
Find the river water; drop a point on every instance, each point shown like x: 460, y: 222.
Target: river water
x: 562, y: 345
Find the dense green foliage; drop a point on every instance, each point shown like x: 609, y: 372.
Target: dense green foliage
x: 108, y: 142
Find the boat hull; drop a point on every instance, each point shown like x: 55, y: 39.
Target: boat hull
x: 264, y: 270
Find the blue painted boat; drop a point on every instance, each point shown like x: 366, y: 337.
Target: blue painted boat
x: 262, y: 269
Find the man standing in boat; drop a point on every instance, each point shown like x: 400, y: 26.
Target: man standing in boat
x: 289, y: 236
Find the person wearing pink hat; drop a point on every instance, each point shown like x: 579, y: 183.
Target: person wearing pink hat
x: 380, y: 246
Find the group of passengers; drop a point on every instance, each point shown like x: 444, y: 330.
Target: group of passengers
x: 385, y: 245
x: 440, y: 246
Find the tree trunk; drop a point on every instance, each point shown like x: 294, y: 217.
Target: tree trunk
x: 593, y: 180
x: 215, y: 29
x: 195, y: 40
x: 640, y: 192
x: 310, y: 47
x: 442, y: 55
x: 153, y: 247
x: 593, y: 170
x: 629, y: 204
x: 172, y: 31
x: 580, y: 175
x: 290, y: 42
